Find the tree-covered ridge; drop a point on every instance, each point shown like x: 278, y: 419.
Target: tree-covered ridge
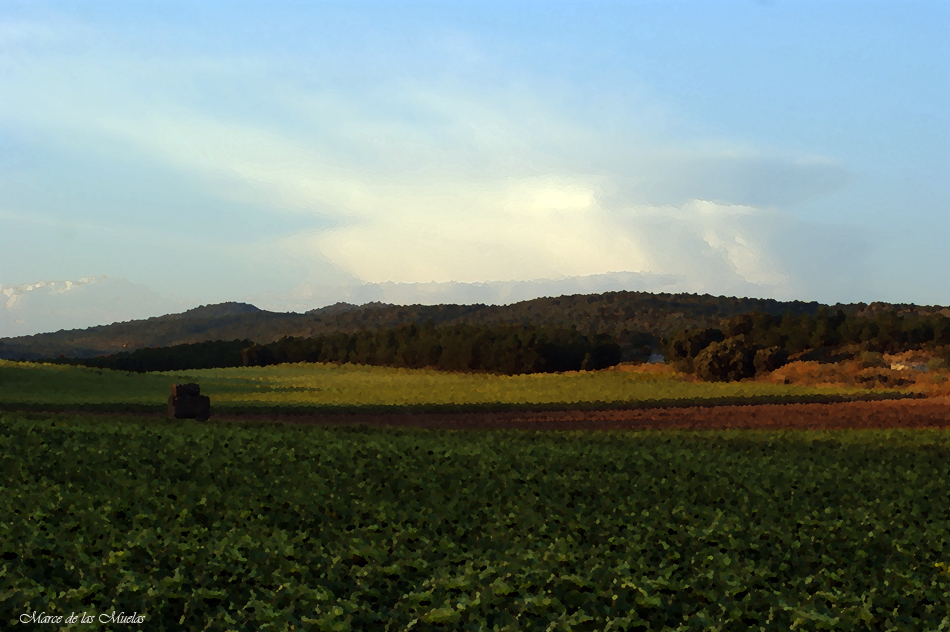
x: 740, y: 347
x: 627, y: 316
x: 639, y: 323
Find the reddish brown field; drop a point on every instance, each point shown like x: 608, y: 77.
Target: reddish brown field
x: 919, y: 413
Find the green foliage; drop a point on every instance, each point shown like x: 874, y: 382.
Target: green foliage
x: 272, y: 527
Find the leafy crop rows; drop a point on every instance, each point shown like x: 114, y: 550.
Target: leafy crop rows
x: 227, y: 527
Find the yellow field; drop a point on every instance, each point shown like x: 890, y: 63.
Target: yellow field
x: 321, y: 385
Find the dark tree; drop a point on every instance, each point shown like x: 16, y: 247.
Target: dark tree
x: 731, y: 360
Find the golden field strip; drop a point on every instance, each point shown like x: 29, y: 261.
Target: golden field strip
x: 302, y: 386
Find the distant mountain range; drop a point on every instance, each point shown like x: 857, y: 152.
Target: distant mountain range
x: 635, y: 319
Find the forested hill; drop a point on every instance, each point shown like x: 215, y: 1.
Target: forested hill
x: 634, y: 319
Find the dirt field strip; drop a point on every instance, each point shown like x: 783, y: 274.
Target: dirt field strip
x: 920, y: 413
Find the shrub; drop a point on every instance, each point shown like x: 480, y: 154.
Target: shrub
x: 731, y: 360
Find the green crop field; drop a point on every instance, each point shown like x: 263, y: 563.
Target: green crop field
x: 329, y: 387
x: 236, y: 526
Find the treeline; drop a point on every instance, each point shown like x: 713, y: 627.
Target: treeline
x: 506, y: 350
x: 753, y: 343
x: 186, y: 357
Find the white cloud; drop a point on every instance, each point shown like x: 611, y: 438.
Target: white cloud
x: 506, y: 229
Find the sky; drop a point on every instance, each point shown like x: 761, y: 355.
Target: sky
x: 269, y: 152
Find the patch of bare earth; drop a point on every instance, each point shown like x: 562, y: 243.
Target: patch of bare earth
x: 920, y: 413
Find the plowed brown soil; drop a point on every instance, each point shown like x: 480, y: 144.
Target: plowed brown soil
x: 907, y: 413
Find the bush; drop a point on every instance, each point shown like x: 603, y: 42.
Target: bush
x: 728, y: 361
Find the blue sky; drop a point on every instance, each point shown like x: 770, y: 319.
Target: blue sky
x: 229, y: 151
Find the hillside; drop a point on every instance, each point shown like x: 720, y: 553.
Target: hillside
x: 635, y: 319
